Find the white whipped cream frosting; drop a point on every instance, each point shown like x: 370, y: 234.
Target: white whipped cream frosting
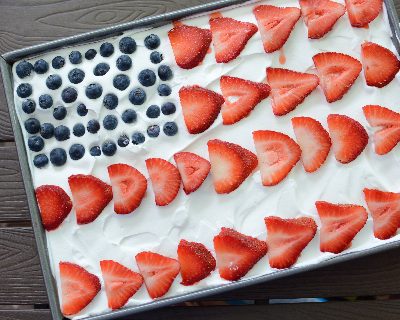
x: 199, y: 216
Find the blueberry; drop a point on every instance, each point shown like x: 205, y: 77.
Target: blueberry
x: 153, y: 111
x: 41, y: 66
x: 137, y: 96
x: 164, y: 90
x: 53, y: 81
x: 45, y: 101
x: 101, y: 69
x: 61, y: 133
x: 138, y: 138
x: 81, y: 110
x: 58, y: 157
x: 32, y: 125
x: 69, y: 95
x: 109, y: 148
x: 95, y: 151
x: 28, y: 106
x: 124, y: 62
x: 75, y: 57
x: 165, y: 72
x: 47, y: 130
x: 35, y: 143
x: 23, y: 69
x: 152, y: 41
x: 121, y: 82
x: 76, y: 76
x: 59, y: 113
x: 123, y: 141
x: 168, y: 108
x: 78, y: 130
x: 24, y: 90
x: 147, y: 77
x: 110, y: 101
x: 170, y: 128
x: 93, y: 126
x: 129, y: 116
x: 106, y: 49
x: 153, y: 131
x: 90, y: 54
x: 127, y: 45
x: 93, y: 91
x: 156, y: 57
x: 76, y: 151
x: 57, y: 63
x: 40, y: 160
x: 110, y: 122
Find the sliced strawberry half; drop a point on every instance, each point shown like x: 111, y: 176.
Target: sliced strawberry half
x: 237, y: 253
x: 275, y: 25
x: 54, y: 205
x: 200, y: 107
x: 120, y: 282
x: 337, y: 73
x: 189, y: 44
x: 320, y: 16
x: 289, y: 88
x: 159, y: 272
x: 386, y: 139
x: 78, y: 288
x: 340, y: 224
x: 349, y: 138
x: 241, y: 97
x: 277, y: 154
x: 230, y: 165
x: 286, y: 239
x: 128, y: 186
x: 229, y: 37
x: 193, y: 170
x: 314, y: 142
x: 362, y: 12
x: 380, y: 64
x: 385, y: 211
x: 90, y: 195
x: 196, y: 262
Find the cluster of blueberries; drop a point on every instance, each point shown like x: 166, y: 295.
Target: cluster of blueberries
x: 137, y: 96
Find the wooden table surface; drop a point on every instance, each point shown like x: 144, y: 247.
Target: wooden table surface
x: 22, y: 292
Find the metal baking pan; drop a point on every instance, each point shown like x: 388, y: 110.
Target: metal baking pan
x: 6, y: 62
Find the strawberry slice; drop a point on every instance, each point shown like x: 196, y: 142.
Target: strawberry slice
x: 189, y: 44
x: 78, y: 288
x: 165, y: 180
x: 286, y: 239
x: 277, y: 154
x: 54, y: 205
x: 380, y: 64
x: 159, y: 272
x: 196, y: 262
x: 90, y: 195
x: 237, y: 253
x: 289, y: 88
x: 385, y: 211
x: 120, y: 282
x: 362, y: 12
x: 193, y: 170
x: 230, y: 165
x: 320, y: 16
x: 349, y: 138
x: 275, y: 25
x: 386, y: 139
x: 340, y: 224
x: 314, y: 142
x: 128, y: 186
x: 337, y: 73
x: 200, y: 107
x: 241, y: 97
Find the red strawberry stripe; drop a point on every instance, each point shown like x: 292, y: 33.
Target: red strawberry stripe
x: 362, y: 12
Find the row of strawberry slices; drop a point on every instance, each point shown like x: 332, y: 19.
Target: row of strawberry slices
x: 229, y: 36
x: 236, y: 253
